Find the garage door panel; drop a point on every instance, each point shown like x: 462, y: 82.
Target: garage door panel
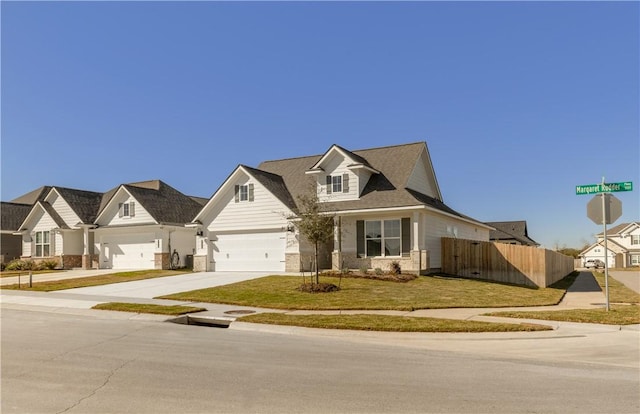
x: 250, y: 252
x: 129, y: 251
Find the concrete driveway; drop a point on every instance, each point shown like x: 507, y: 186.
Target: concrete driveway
x: 630, y: 278
x: 150, y: 288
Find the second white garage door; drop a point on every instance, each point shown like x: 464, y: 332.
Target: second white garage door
x: 134, y: 251
x: 250, y: 252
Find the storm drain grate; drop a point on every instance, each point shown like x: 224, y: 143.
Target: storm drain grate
x: 214, y: 322
x: 239, y: 312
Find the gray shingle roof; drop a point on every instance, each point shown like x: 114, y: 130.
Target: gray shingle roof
x: 384, y: 190
x: 163, y: 202
x: 618, y: 228
x: 275, y: 184
x: 506, y: 230
x: 12, y: 215
x: 86, y: 204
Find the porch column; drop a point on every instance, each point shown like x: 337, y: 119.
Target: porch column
x: 336, y: 255
x: 417, y: 264
x: 86, y: 258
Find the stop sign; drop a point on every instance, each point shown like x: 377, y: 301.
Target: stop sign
x: 612, y: 209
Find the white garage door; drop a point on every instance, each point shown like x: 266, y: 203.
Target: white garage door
x: 250, y: 252
x: 131, y: 251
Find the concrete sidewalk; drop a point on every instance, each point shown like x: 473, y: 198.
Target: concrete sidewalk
x: 584, y: 293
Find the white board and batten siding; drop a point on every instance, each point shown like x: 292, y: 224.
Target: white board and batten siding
x: 246, y: 235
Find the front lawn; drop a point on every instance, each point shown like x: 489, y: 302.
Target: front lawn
x: 617, y: 315
x: 388, y: 323
x: 94, y: 280
x: 427, y: 292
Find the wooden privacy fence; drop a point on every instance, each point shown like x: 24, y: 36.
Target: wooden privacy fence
x: 499, y: 262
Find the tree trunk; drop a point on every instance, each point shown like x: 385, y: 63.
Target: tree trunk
x: 317, y: 275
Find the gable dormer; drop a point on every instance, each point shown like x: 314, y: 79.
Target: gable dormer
x: 341, y: 175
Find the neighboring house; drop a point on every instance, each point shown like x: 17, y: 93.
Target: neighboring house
x: 623, y: 245
x: 13, y: 214
x: 133, y: 226
x: 57, y: 227
x: 141, y: 225
x: 511, y: 232
x: 386, y: 202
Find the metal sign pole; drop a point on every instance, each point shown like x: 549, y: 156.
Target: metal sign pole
x: 606, y: 251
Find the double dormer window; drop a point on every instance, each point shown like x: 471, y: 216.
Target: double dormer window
x: 337, y: 183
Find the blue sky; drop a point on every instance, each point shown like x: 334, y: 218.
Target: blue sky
x: 518, y: 102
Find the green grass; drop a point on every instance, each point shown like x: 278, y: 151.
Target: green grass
x: 618, y: 292
x: 94, y: 280
x: 388, y: 323
x: 280, y: 292
x: 148, y: 308
x: 617, y: 315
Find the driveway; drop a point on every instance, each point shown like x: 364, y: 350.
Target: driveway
x: 150, y: 288
x: 630, y: 278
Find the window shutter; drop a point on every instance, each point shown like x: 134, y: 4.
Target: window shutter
x: 119, y: 209
x: 132, y: 209
x: 406, y: 236
x: 360, y: 238
x: 250, y: 192
x: 329, y: 184
x: 345, y: 183
x: 237, y: 191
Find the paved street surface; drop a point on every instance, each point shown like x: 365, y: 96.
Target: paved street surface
x: 87, y: 361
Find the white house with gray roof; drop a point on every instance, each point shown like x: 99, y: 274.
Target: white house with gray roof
x: 623, y: 246
x: 133, y: 226
x: 386, y: 202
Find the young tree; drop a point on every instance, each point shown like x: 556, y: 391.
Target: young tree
x: 313, y: 223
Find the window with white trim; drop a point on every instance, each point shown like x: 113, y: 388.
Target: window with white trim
x: 635, y: 239
x: 337, y: 183
x: 42, y: 244
x: 382, y: 238
x: 635, y: 260
x: 243, y: 193
x: 127, y: 209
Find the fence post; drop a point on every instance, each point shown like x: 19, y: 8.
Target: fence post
x: 30, y: 278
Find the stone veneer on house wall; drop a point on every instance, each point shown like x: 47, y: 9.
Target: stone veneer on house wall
x: 161, y: 261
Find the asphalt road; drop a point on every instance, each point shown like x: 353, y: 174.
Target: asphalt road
x: 100, y: 362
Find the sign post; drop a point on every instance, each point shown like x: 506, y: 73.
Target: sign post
x: 610, y: 212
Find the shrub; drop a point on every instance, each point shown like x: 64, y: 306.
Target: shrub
x: 21, y: 265
x: 378, y: 271
x: 394, y: 268
x: 48, y: 264
x: 364, y: 270
x: 345, y: 271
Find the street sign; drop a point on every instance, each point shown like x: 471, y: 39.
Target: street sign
x: 604, y: 188
x: 611, y: 205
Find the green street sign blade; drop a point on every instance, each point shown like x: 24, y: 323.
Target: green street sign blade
x: 604, y: 188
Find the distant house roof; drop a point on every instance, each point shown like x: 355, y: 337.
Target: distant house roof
x: 12, y: 215
x: 33, y: 196
x: 388, y: 189
x: 511, y: 230
x: 163, y: 202
x: 619, y: 228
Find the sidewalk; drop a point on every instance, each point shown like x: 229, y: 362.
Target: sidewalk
x: 584, y: 293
